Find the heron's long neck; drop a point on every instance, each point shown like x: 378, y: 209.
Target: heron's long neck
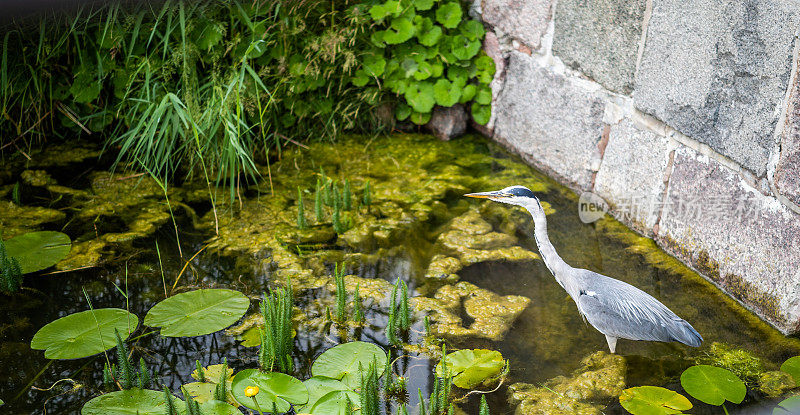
x: 554, y: 263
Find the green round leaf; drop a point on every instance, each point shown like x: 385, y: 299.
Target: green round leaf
x: 483, y: 95
x: 470, y: 368
x: 197, y: 312
x: 218, y: 408
x: 402, y: 111
x: 399, y: 31
x: 380, y: 11
x: 467, y: 93
x: 423, y: 4
x: 445, y: 93
x: 36, y: 251
x: 463, y: 48
x: 343, y: 361
x: 481, y: 113
x: 653, y: 400
x: 792, y: 367
x: 427, y: 32
x: 449, y: 14
x: 83, y: 334
x: 420, y: 118
x: 788, y: 406
x: 319, y: 386
x: 471, y: 29
x: 424, y: 71
x: 420, y: 96
x: 713, y: 385
x: 133, y: 401
x: 374, y: 65
x: 274, y: 387
x: 335, y: 403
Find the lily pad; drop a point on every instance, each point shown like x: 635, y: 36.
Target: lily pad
x: 788, y: 406
x: 713, y: 385
x: 133, y: 401
x: 83, y: 334
x: 342, y: 362
x: 319, y: 386
x: 792, y: 367
x: 215, y: 407
x: 275, y: 387
x: 470, y: 368
x: 196, y: 313
x: 36, y: 251
x: 335, y: 403
x: 653, y: 400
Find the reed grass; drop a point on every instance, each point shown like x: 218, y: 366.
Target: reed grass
x: 201, y: 88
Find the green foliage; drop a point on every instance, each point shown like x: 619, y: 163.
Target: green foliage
x: 367, y: 198
x: 301, y: 214
x: 358, y: 312
x: 343, y: 362
x: 341, y: 294
x: 197, y: 312
x: 370, y: 399
x: 169, y: 408
x: 125, y: 374
x: 470, y: 368
x: 276, y: 338
x: 192, y: 406
x: 10, y: 272
x: 792, y: 367
x: 275, y: 389
x: 221, y: 389
x: 84, y: 333
x: 653, y: 400
x: 399, y: 313
x: 788, y: 406
x: 318, y: 212
x: 427, y: 54
x: 484, y: 408
x: 196, y: 87
x: 713, y: 385
x: 40, y: 250
x: 439, y: 402
x: 346, y: 197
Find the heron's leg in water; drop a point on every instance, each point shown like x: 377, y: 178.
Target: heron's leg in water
x: 612, y: 343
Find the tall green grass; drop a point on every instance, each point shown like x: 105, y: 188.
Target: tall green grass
x: 197, y: 88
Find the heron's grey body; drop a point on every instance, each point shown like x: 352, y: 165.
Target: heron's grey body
x: 615, y: 308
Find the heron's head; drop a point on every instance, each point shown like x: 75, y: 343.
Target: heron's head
x: 512, y: 195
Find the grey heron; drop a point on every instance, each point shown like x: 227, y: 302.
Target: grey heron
x: 615, y: 308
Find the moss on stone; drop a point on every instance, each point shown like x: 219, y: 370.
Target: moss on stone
x: 775, y: 383
x: 493, y: 315
x: 601, y: 377
x: 742, y: 363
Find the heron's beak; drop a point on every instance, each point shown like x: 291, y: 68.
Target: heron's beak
x: 486, y: 195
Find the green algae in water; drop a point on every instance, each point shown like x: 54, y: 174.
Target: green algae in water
x: 472, y: 266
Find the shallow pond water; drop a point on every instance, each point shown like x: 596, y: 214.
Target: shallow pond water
x: 473, y: 265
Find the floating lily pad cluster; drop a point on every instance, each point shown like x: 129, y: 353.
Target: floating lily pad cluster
x: 708, y: 384
x: 429, y: 53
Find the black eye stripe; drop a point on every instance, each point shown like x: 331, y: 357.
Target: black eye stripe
x: 522, y: 192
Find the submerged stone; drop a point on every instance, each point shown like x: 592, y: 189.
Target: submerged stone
x: 493, y: 315
x: 600, y: 378
x: 775, y: 383
x: 742, y: 363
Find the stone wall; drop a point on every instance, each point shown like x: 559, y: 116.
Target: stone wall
x: 683, y: 116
